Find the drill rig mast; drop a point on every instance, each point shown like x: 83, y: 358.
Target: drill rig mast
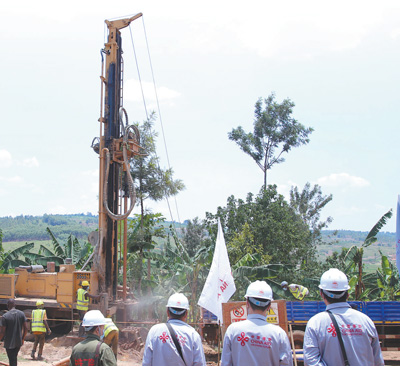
x: 117, y: 144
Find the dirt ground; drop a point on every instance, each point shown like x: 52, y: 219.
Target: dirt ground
x: 61, y: 347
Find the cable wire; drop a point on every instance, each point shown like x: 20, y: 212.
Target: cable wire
x: 159, y: 112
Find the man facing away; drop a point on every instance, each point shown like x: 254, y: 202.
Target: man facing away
x: 298, y: 291
x: 254, y: 341
x: 160, y: 348
x: 91, y: 351
x: 13, y: 328
x: 360, y: 338
x: 39, y: 328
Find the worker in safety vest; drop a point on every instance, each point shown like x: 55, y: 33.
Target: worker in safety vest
x: 39, y: 328
x: 254, y: 341
x: 298, y: 291
x: 92, y: 351
x: 82, y: 302
x: 111, y: 333
x: 357, y: 330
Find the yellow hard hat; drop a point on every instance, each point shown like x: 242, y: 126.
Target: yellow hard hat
x: 85, y: 283
x: 39, y: 303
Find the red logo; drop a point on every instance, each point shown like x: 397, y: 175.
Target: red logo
x: 164, y: 337
x: 332, y: 330
x: 243, y: 339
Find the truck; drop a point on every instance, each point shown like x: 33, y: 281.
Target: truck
x: 117, y: 144
x: 385, y: 315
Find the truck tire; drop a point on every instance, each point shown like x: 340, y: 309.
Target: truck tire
x: 298, y: 339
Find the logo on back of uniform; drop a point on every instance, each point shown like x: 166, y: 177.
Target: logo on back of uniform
x: 243, y: 339
x: 332, y: 330
x: 164, y: 337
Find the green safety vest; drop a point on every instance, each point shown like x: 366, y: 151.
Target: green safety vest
x: 109, y: 327
x: 37, y: 321
x: 81, y: 302
x: 299, y: 292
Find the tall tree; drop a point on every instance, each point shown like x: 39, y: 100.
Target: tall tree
x: 194, y: 236
x: 308, y: 204
x: 275, y: 132
x: 151, y: 181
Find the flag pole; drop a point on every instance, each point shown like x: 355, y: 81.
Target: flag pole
x: 219, y: 341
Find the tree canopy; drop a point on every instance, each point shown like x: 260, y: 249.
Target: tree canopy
x: 268, y: 226
x: 275, y: 132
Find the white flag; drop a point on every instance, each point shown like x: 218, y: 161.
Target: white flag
x: 219, y: 286
x: 398, y: 234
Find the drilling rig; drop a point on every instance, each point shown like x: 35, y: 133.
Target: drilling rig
x: 117, y: 144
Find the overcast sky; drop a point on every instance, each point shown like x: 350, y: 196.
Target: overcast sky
x: 338, y: 62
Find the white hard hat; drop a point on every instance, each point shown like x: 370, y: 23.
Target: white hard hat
x: 259, y: 289
x: 93, y: 318
x: 178, y: 301
x: 108, y: 320
x: 334, y: 280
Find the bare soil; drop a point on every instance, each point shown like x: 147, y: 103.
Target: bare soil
x: 61, y: 347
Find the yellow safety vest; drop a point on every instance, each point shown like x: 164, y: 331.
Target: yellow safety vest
x: 37, y: 321
x: 109, y: 327
x: 299, y: 292
x: 81, y: 302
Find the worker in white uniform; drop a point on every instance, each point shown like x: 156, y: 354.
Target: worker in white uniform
x: 360, y: 338
x: 162, y: 350
x: 254, y: 341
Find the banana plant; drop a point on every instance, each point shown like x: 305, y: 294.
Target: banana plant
x: 11, y: 259
x: 72, y: 248
x: 387, y: 280
x: 354, y: 258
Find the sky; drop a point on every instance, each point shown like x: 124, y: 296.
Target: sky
x: 209, y: 62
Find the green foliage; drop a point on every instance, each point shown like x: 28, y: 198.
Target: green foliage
x: 28, y: 228
x: 142, y: 232
x: 308, y: 204
x: 1, y: 241
x: 354, y: 258
x: 11, y: 258
x: 387, y: 280
x: 151, y: 182
x: 72, y: 248
x: 194, y: 236
x: 269, y: 223
x: 275, y: 132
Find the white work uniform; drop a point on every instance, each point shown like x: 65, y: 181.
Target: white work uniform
x: 360, y: 338
x: 160, y: 349
x: 255, y: 342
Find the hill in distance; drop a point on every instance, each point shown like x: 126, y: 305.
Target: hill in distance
x: 21, y: 229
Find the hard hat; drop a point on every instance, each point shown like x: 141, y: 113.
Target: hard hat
x: 93, y: 318
x: 39, y: 303
x: 178, y: 301
x: 85, y: 283
x: 334, y: 280
x: 284, y: 283
x: 108, y: 320
x: 259, y: 289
